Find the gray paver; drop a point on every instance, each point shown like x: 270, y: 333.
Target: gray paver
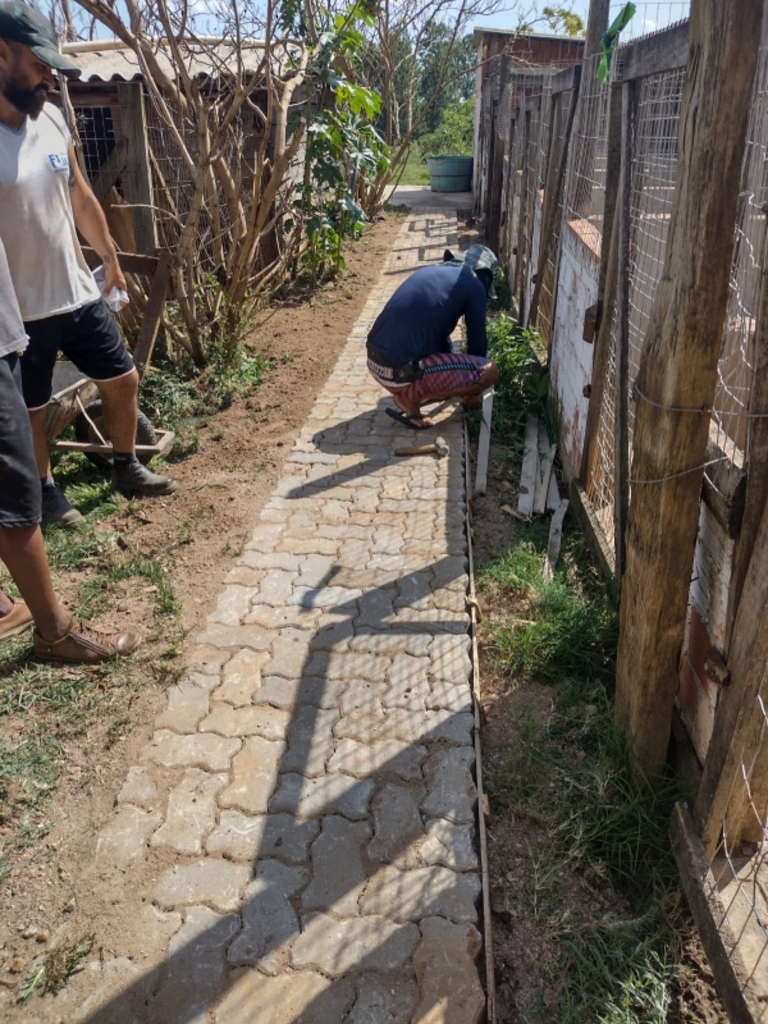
x: 449, y: 845
x: 252, y: 720
x: 354, y: 944
x: 241, y: 677
x: 139, y: 788
x: 423, y: 892
x: 385, y: 757
x: 124, y: 837
x: 187, y: 704
x: 310, y: 740
x: 305, y: 996
x: 309, y: 798
x: 338, y: 872
x: 288, y: 693
x: 451, y: 789
x: 196, y: 966
x: 173, y: 751
x: 246, y: 837
x: 397, y: 824
x: 269, y: 920
x: 254, y: 773
x: 210, y: 881
x: 445, y: 963
x: 378, y: 1001
x: 191, y: 812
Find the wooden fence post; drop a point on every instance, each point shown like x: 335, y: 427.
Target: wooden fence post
x: 139, y: 175
x: 678, y: 371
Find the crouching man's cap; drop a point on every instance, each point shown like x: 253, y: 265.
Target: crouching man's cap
x: 20, y: 23
x: 480, y: 260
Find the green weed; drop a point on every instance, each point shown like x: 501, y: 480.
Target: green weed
x: 59, y: 966
x: 523, y: 385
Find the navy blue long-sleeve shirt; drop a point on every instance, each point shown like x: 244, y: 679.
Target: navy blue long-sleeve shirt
x: 418, y: 319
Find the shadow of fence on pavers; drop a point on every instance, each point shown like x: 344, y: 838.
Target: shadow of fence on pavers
x: 363, y: 712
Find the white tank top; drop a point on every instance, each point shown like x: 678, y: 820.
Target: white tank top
x: 37, y: 225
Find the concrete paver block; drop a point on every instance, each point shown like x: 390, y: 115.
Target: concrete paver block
x: 290, y: 693
x: 451, y: 787
x: 247, y: 838
x: 397, y: 825
x: 354, y: 944
x: 253, y: 998
x: 232, y: 604
x: 191, y: 812
x: 206, y: 751
x: 450, y: 845
x: 255, y: 770
x: 310, y: 740
x: 393, y: 1002
x: 139, y: 788
x: 124, y: 837
x: 269, y: 920
x: 388, y: 757
x: 330, y: 794
x: 290, y: 654
x: 187, y: 704
x: 213, y: 882
x: 251, y: 720
x: 241, y: 677
x: 338, y: 872
x: 445, y: 965
x: 196, y: 968
x: 422, y: 892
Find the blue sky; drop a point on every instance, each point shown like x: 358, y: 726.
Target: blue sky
x: 649, y: 17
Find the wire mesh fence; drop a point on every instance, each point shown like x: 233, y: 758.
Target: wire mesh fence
x: 587, y: 159
x: 740, y: 865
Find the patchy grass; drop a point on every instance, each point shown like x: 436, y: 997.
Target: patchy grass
x: 45, y: 707
x: 615, y: 944
x: 415, y: 170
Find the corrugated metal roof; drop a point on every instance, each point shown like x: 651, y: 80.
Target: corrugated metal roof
x: 122, y: 65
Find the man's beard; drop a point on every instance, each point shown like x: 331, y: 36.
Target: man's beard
x: 26, y: 101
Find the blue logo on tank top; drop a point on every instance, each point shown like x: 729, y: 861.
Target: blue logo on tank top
x: 59, y: 162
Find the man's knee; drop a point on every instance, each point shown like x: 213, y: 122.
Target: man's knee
x: 124, y: 387
x: 489, y: 376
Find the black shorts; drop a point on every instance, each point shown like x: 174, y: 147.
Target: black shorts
x: 88, y: 336
x: 20, y: 494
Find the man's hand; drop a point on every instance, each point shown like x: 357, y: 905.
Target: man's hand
x: 113, y: 274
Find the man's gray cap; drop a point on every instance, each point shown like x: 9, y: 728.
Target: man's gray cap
x: 480, y: 260
x: 21, y: 23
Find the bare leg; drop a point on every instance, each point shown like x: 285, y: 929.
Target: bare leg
x: 23, y: 551
x: 120, y: 404
x: 40, y: 442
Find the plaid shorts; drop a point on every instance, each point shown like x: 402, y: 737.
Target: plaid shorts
x: 441, y: 372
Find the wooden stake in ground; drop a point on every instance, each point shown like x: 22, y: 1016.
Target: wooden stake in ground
x: 678, y: 371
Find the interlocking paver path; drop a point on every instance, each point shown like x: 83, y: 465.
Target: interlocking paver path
x: 296, y: 842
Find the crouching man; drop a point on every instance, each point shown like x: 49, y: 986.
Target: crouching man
x: 410, y: 352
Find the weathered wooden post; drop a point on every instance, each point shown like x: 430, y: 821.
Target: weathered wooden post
x: 678, y: 371
x: 139, y: 168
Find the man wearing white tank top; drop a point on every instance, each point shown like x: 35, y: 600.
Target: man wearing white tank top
x: 44, y: 201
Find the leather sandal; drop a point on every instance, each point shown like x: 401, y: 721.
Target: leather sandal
x: 83, y: 645
x: 17, y: 619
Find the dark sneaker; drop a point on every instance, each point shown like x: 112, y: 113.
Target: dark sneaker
x: 83, y: 645
x: 56, y: 509
x: 134, y: 479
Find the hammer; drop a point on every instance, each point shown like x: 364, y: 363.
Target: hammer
x: 439, y: 447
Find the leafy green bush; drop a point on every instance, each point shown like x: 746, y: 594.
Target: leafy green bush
x: 523, y: 384
x: 454, y: 136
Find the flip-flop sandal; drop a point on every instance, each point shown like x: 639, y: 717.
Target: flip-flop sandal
x: 413, y: 422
